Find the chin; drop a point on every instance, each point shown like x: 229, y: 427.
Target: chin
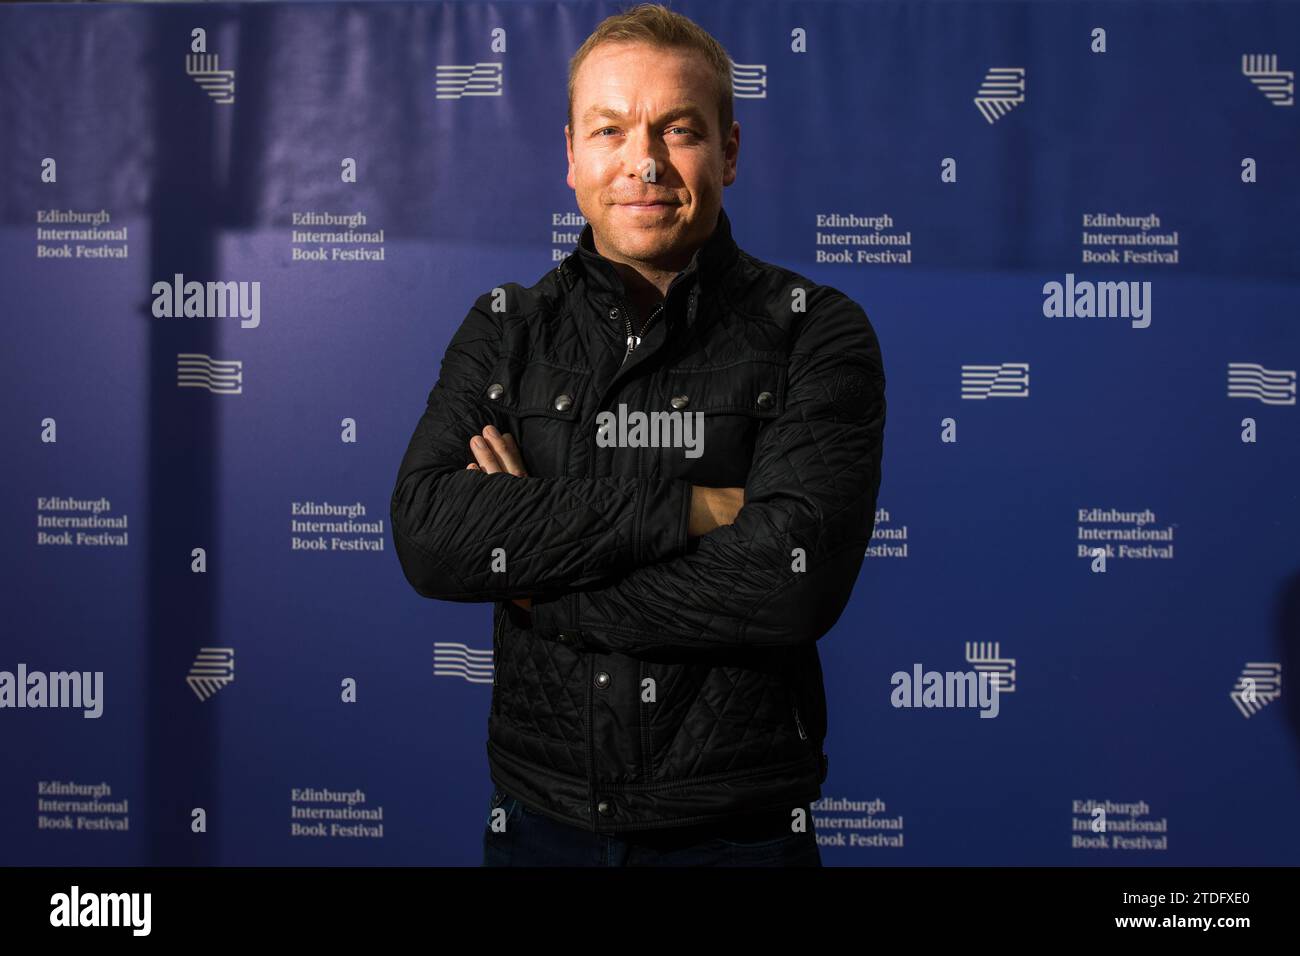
x: 647, y: 251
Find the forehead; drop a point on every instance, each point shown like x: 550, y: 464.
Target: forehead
x: 624, y: 75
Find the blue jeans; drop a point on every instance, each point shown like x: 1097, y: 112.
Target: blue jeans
x: 534, y: 839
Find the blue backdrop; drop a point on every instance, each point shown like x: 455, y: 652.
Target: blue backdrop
x: 995, y: 147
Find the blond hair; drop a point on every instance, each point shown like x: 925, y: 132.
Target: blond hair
x: 655, y: 24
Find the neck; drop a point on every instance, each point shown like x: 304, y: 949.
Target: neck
x: 644, y: 278
x: 644, y: 292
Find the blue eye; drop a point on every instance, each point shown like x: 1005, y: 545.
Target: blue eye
x: 685, y: 129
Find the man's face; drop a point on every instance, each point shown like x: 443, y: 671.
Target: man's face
x: 645, y: 131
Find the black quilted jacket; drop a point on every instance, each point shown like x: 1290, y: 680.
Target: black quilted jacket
x: 660, y: 680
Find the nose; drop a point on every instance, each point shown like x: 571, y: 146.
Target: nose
x: 645, y: 158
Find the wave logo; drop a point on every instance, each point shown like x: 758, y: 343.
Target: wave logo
x: 749, y: 81
x: 1007, y: 380
x: 213, y: 669
x: 1258, y: 686
x: 1278, y: 85
x: 197, y: 370
x: 476, y: 79
x: 205, y: 70
x: 1002, y: 91
x: 987, y: 658
x: 470, y: 664
x: 1270, y: 386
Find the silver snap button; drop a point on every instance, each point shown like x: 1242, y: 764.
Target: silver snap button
x: 765, y: 399
x: 496, y: 390
x: 680, y: 401
x: 563, y: 402
x: 604, y: 807
x: 602, y: 679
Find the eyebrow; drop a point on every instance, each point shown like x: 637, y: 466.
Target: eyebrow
x: 686, y: 110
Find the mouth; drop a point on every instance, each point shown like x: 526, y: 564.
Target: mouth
x: 646, y: 206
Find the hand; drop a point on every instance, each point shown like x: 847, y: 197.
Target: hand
x: 494, y: 452
x: 711, y: 508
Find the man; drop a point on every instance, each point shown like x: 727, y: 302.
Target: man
x: 658, y: 695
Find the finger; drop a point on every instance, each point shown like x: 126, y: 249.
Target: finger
x: 472, y: 466
x: 508, y: 457
x: 486, y: 458
x: 517, y: 452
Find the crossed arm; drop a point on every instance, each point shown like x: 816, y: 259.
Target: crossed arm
x: 775, y: 563
x: 470, y: 535
x: 710, y: 507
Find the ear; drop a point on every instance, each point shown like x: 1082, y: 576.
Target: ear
x: 731, y: 155
x: 568, y: 150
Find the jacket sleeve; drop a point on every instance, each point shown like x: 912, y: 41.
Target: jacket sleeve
x: 811, y: 492
x: 553, y: 533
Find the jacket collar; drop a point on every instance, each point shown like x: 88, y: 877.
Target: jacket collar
x: 707, y: 266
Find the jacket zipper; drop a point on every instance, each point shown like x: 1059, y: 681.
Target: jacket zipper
x: 799, y: 723
x: 634, y: 340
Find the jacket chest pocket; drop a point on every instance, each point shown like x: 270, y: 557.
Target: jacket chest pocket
x: 722, y: 410
x: 540, y: 405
